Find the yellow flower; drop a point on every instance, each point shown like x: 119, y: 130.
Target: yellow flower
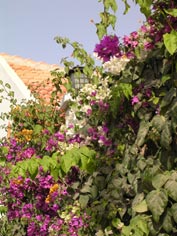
x: 16, y: 109
x: 53, y: 189
x: 48, y: 199
x: 18, y: 181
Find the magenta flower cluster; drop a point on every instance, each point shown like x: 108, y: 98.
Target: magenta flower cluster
x: 108, y: 47
x: 146, y: 38
x: 17, y: 151
x: 34, y: 202
x: 52, y: 143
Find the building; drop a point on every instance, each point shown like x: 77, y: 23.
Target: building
x: 25, y: 77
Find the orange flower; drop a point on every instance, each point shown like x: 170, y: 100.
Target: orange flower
x: 18, y: 181
x: 24, y: 134
x: 53, y: 189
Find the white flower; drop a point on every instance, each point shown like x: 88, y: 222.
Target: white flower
x: 116, y: 65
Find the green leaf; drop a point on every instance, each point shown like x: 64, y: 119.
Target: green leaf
x: 112, y: 20
x: 138, y: 227
x: 168, y: 97
x: 172, y: 12
x: 8, y: 86
x: 87, y: 164
x: 100, y: 182
x: 127, y: 6
x: 166, y: 136
x: 82, y: 157
x: 45, y: 163
x: 101, y: 30
x: 142, y: 132
x: 68, y: 160
x: 170, y: 41
x: 167, y: 224
x: 110, y: 4
x: 37, y: 129
x: 173, y: 113
x: 116, y: 222
x: 33, y: 169
x: 2, y: 161
x: 54, y: 173
x: 4, y: 150
x: 140, y: 207
x: 138, y: 199
x: 100, y: 233
x: 145, y: 6
x: 3, y: 209
x: 87, y: 159
x: 159, y: 180
x: 165, y: 78
x: 173, y: 175
x: 174, y: 212
x: 158, y: 122
x: 94, y: 191
x: 157, y: 201
x: 126, y: 89
x: 171, y: 187
x: 83, y: 200
x: 86, y: 189
x: 141, y: 223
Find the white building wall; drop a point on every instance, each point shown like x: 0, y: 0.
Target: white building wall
x: 21, y: 92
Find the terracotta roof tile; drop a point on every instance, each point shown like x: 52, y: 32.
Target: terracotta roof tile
x: 35, y: 75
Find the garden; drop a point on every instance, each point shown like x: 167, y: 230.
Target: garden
x: 106, y: 165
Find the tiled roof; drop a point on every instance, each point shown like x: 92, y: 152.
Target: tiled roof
x: 35, y: 75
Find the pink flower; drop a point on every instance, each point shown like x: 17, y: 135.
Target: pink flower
x: 148, y: 45
x: 134, y: 100
x: 144, y: 29
x: 89, y: 112
x: 134, y: 34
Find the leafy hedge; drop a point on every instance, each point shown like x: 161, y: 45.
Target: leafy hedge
x: 113, y: 170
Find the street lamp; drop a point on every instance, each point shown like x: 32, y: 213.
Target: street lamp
x: 78, y: 80
x: 77, y: 77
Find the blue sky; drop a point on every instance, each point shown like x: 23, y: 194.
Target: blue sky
x: 28, y: 27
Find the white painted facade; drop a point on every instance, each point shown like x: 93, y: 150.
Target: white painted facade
x: 21, y: 92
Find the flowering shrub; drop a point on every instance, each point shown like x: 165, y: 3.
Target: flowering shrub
x: 109, y: 167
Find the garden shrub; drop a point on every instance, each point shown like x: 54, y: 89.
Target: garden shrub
x: 113, y: 170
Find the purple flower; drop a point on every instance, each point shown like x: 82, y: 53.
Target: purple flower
x: 148, y: 92
x: 93, y: 93
x: 31, y: 230
x: 76, y: 139
x: 103, y: 106
x: 131, y: 41
x: 28, y: 153
x: 148, y: 45
x: 44, y: 228
x: 27, y: 211
x: 92, y: 102
x: 89, y: 112
x: 144, y: 29
x: 57, y: 226
x: 108, y: 47
x: 134, y: 34
x: 126, y: 40
x: 70, y: 126
x: 60, y: 137
x: 105, y: 129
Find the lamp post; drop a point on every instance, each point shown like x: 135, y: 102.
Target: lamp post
x: 78, y: 80
x: 77, y: 77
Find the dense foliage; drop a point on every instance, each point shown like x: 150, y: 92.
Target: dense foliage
x: 109, y: 165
